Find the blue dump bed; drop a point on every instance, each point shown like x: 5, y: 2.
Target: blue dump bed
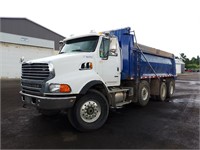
x: 134, y: 62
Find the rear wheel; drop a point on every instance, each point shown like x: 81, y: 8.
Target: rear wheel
x: 144, y: 93
x: 170, y: 88
x: 90, y: 112
x: 162, y: 92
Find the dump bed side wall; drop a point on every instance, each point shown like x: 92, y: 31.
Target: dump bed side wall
x: 162, y: 62
x: 164, y: 67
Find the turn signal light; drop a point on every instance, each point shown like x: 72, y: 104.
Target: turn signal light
x: 64, y: 88
x: 90, y: 64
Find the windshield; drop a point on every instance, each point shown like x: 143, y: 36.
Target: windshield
x: 84, y: 44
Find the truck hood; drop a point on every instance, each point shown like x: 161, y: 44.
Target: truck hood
x: 66, y: 64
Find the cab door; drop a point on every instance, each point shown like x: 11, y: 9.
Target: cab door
x: 109, y: 62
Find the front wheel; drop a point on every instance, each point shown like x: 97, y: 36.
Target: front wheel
x: 90, y: 112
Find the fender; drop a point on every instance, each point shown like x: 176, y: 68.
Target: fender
x: 90, y: 84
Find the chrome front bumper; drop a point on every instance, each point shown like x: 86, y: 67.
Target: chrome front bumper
x: 48, y: 103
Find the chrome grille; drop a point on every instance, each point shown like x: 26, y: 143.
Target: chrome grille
x: 35, y: 71
x: 30, y: 89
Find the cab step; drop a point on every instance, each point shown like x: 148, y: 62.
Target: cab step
x: 120, y: 105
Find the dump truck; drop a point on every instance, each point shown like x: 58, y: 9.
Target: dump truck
x: 97, y: 72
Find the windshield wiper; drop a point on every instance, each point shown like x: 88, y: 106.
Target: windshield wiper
x: 77, y: 50
x: 62, y: 52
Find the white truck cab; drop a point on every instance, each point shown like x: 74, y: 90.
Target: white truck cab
x: 83, y: 71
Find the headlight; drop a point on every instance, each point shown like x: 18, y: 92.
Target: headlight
x: 59, y: 88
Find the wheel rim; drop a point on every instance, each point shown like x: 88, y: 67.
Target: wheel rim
x: 90, y: 111
x: 144, y: 94
x: 171, y: 88
x: 163, y: 90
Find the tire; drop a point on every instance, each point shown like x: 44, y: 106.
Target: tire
x: 144, y: 93
x: 162, y: 92
x: 170, y: 88
x: 90, y: 112
x: 49, y: 113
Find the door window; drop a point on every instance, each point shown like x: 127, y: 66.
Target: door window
x: 104, y: 48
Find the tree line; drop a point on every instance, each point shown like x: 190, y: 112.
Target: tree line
x: 193, y: 63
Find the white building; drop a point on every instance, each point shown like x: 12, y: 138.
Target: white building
x: 20, y: 37
x: 180, y: 66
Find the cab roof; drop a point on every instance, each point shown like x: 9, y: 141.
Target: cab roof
x: 80, y: 36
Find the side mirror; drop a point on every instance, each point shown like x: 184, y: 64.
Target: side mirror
x: 113, y: 47
x: 61, y: 43
x: 113, y: 52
